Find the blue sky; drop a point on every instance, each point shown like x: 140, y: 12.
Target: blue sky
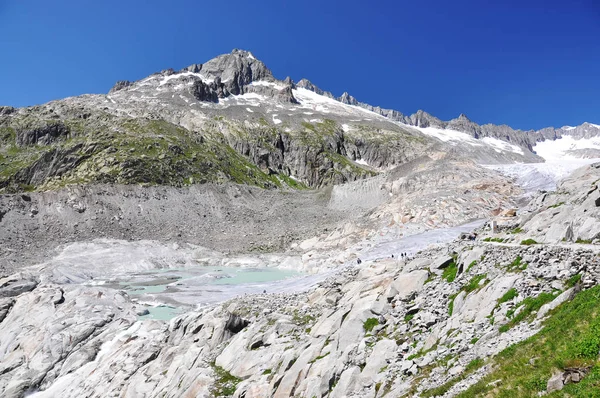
x: 526, y: 63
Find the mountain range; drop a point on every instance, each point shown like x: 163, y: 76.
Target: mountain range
x: 230, y: 119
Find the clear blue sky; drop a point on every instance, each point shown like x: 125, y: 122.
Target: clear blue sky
x: 526, y: 63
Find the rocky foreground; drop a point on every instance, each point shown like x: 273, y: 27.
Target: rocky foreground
x: 439, y: 324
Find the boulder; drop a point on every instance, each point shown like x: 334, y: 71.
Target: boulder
x: 405, y: 285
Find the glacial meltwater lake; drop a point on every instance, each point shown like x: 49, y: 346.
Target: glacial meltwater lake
x: 169, y: 292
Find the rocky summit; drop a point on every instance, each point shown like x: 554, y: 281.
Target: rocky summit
x: 220, y: 232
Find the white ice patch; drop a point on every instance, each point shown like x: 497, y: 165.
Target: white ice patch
x: 534, y: 177
x: 345, y: 127
x: 568, y: 128
x: 361, y: 161
x: 166, y: 79
x: 268, y: 84
x: 249, y: 110
x: 319, y: 103
x: 557, y: 150
x: 450, y: 136
x: 251, y: 56
x: 559, y: 163
x: 275, y: 120
x: 595, y: 125
x: 502, y: 146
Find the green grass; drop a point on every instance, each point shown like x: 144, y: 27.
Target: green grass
x: 556, y: 205
x: 572, y: 281
x: 319, y: 357
x: 473, y: 263
x: 509, y: 295
x: 408, y: 317
x: 441, y: 390
x: 498, y: 240
x: 584, y: 241
x: 570, y: 338
x: 474, y: 283
x: 225, y: 383
x: 302, y: 320
x: 528, y: 306
x: 517, y: 230
x: 528, y: 242
x: 517, y: 265
x: 369, y: 324
x: 451, y: 304
x: 450, y: 272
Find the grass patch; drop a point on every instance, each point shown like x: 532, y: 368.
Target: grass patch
x: 584, y: 241
x: 319, y: 357
x: 474, y: 283
x: 301, y: 320
x: 369, y: 324
x: 450, y: 272
x: 517, y: 265
x: 443, y: 389
x: 451, y: 304
x: 556, y: 205
x: 517, y: 230
x: 528, y: 307
x: 570, y: 338
x: 498, y: 240
x: 225, y: 383
x: 409, y: 317
x: 528, y: 242
x: 572, y: 281
x: 473, y: 263
x: 509, y: 295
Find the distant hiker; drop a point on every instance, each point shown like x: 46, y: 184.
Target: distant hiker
x: 392, y: 256
x: 358, y: 261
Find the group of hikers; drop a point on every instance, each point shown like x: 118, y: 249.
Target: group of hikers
x: 403, y: 256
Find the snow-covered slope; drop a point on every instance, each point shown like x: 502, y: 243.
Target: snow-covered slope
x: 562, y: 156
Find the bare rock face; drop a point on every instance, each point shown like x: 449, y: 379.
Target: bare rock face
x: 43, y: 135
x: 121, y: 84
x: 7, y: 110
x: 50, y: 331
x: 204, y: 92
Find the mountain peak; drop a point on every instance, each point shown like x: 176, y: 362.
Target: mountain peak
x: 348, y: 99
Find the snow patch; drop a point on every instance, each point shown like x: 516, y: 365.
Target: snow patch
x: 267, y: 84
x: 502, y: 146
x: 557, y: 150
x: 450, y: 136
x: 166, y: 79
x: 345, y: 127
x: 249, y: 110
x: 361, y: 161
x: 275, y: 120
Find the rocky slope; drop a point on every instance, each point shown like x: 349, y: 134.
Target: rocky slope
x: 432, y: 325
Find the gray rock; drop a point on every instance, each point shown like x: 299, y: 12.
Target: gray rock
x: 555, y: 383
